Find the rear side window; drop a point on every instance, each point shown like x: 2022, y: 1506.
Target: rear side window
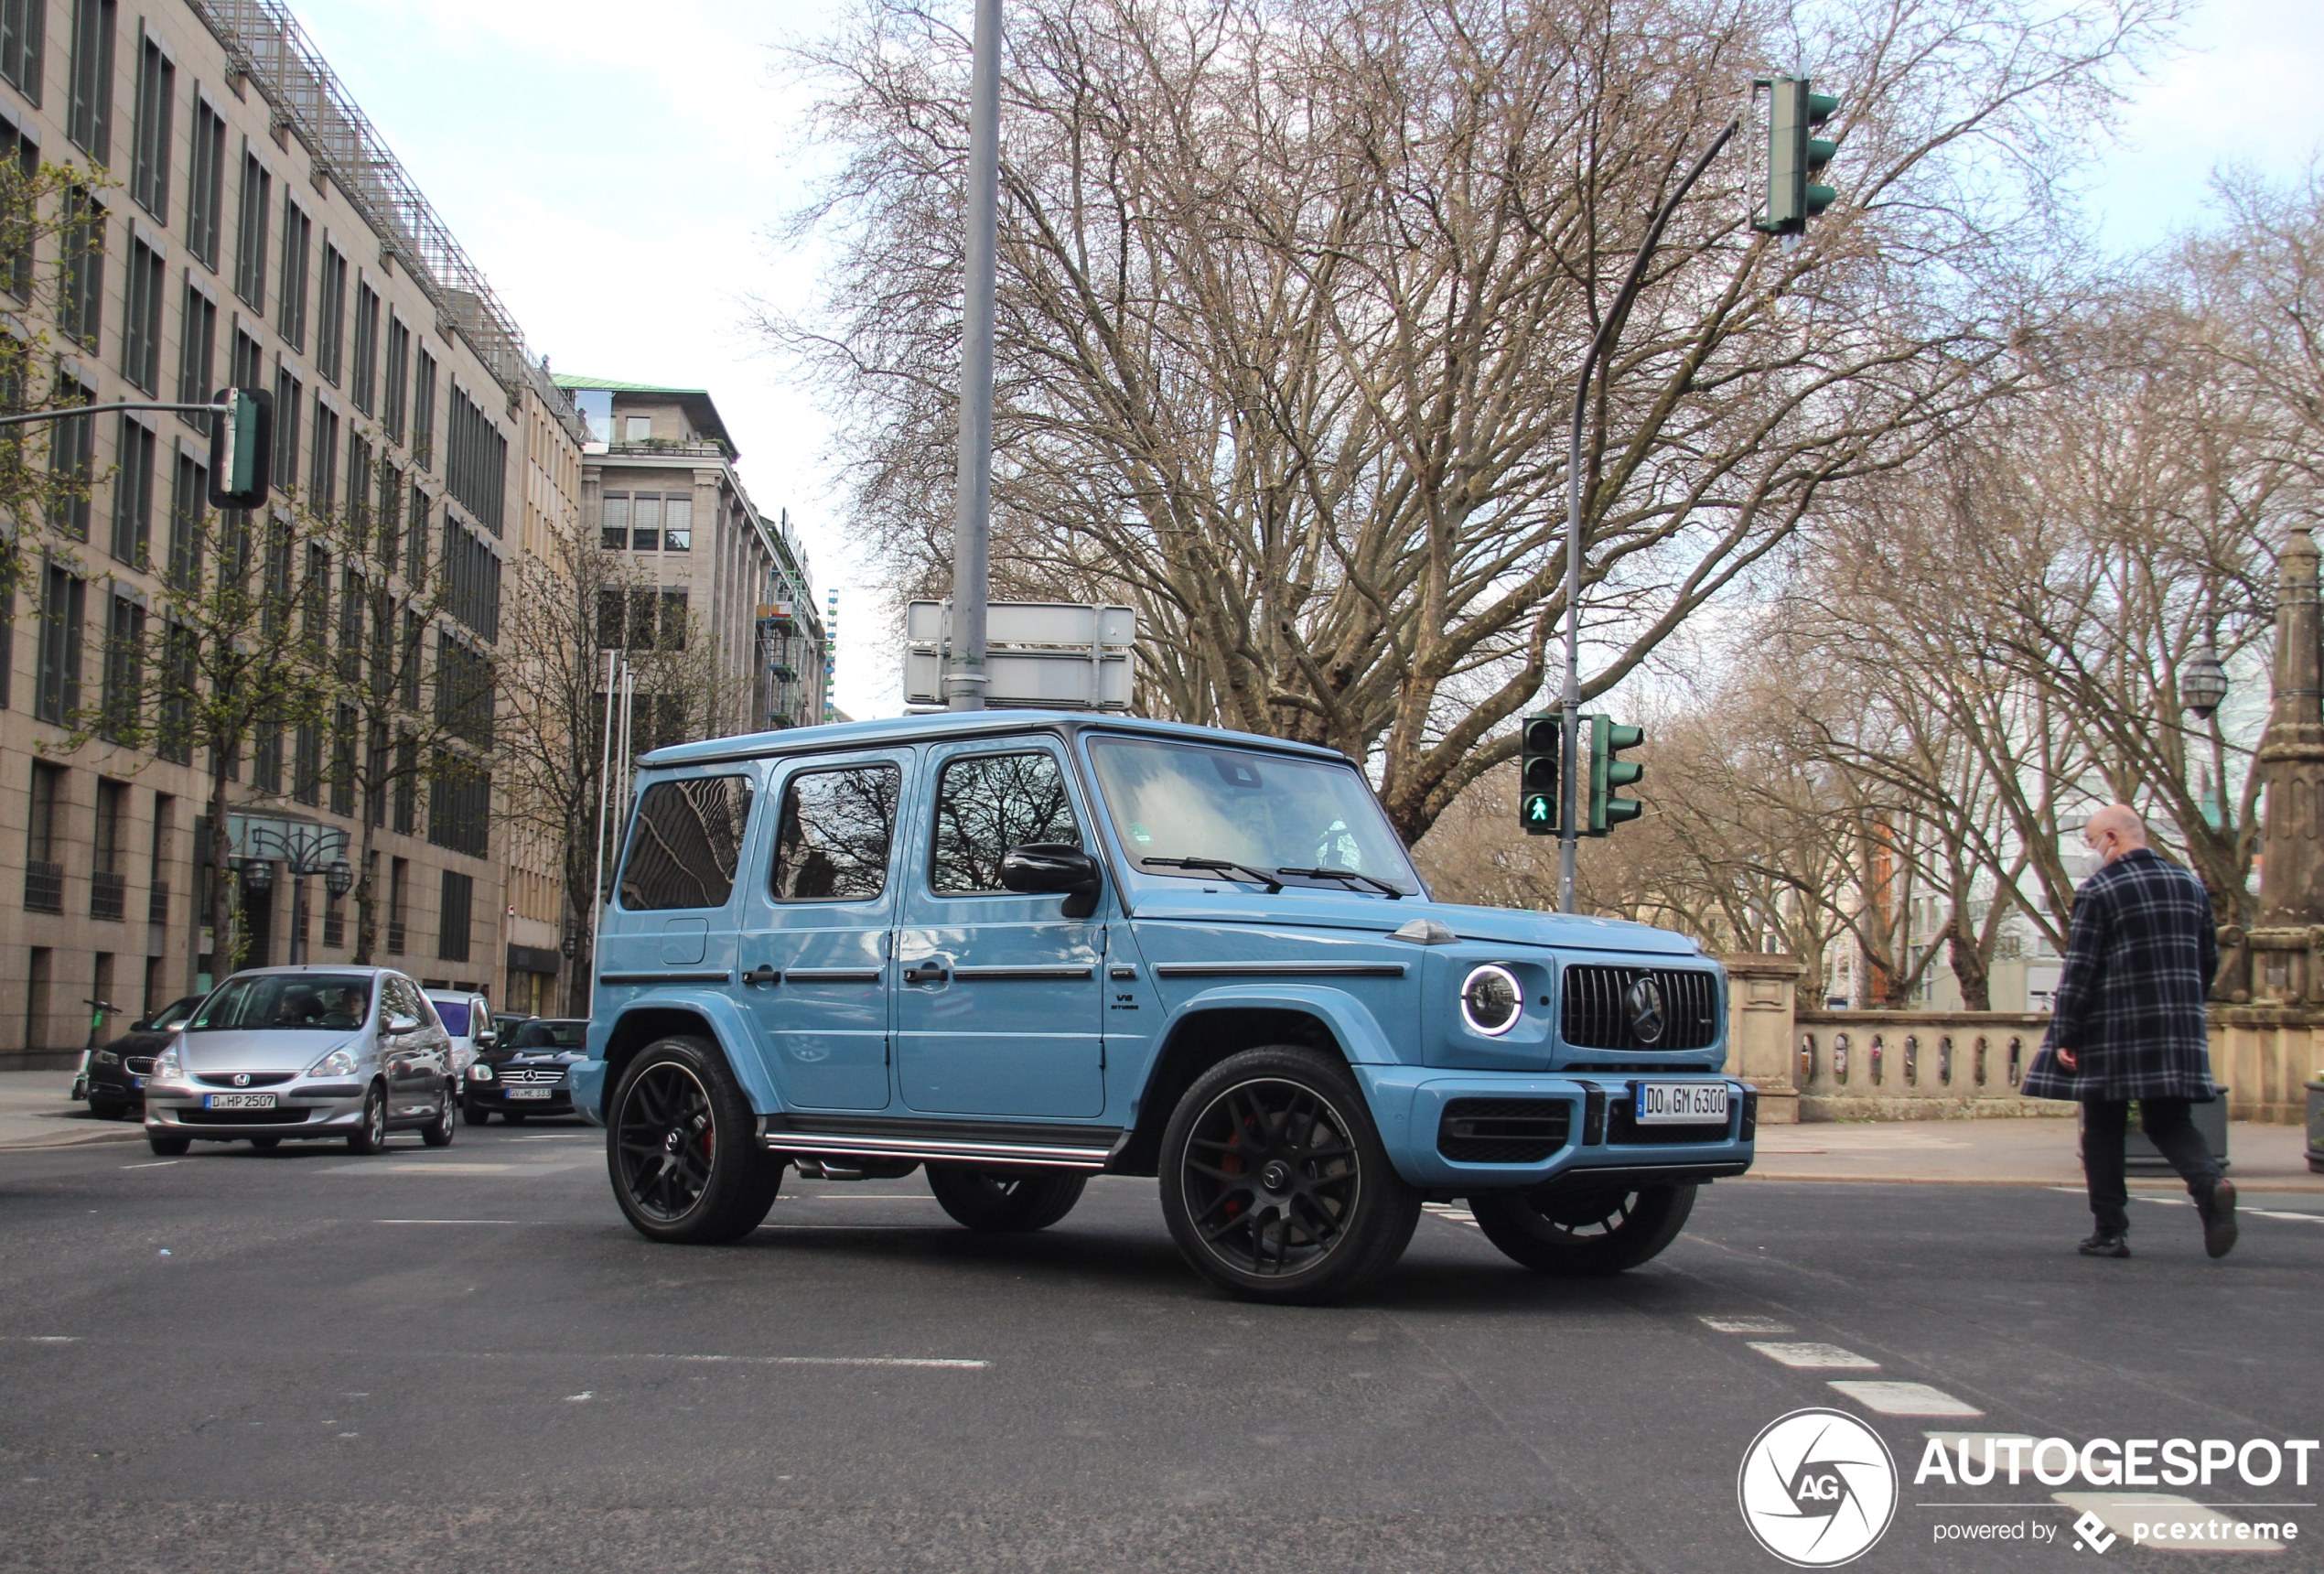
x: 833, y: 835
x: 456, y: 1017
x: 987, y: 803
x: 685, y: 844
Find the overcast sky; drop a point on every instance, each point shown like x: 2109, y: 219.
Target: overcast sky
x: 613, y: 169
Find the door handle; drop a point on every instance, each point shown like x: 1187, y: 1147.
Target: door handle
x: 762, y: 975
x: 933, y: 974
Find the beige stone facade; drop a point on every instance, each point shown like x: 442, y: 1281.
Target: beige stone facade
x: 305, y: 262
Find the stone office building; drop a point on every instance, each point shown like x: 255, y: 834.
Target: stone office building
x: 658, y: 483
x: 258, y: 231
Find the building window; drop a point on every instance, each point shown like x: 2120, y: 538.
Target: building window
x: 149, y: 167
x: 72, y: 460
x: 334, y: 922
x: 266, y: 758
x: 196, y: 354
x: 22, y: 23
x: 615, y: 520
x: 343, y: 761
x: 639, y: 429
x: 141, y: 318
x: 250, y: 233
x: 359, y: 485
x: 132, y: 494
x: 17, y: 262
x: 206, y: 184
x: 415, y: 539
x: 459, y: 804
x: 7, y: 645
x: 288, y: 400
x: 645, y: 523
x: 473, y: 582
x: 108, y: 883
x: 390, y: 512
x: 189, y: 497
x: 452, y: 927
x: 399, y: 376
x: 673, y: 620
x: 322, y: 481
x: 88, y: 121
x: 306, y: 764
x: 64, y: 602
x: 124, y: 670
x: 407, y: 783
x: 330, y: 315
x: 476, y: 461
x: 176, y: 741
x: 463, y: 691
x: 677, y: 524
x: 158, y: 875
x: 423, y: 412
x: 290, y: 305
x: 399, y: 880
x: 44, y: 873
x: 363, y: 377
x: 246, y: 364
x: 81, y: 297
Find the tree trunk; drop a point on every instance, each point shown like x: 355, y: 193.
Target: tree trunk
x: 223, y: 949
x: 366, y: 907
x: 1970, y: 970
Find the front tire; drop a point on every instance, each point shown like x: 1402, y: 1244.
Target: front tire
x: 267, y: 1144
x: 168, y: 1147
x: 1004, y: 1202
x: 682, y: 1147
x: 1604, y: 1231
x: 478, y: 1115
x: 438, y: 1132
x: 1275, y: 1182
x: 108, y: 1109
x: 371, y: 1136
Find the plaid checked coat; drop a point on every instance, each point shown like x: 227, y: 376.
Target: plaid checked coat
x: 2140, y: 957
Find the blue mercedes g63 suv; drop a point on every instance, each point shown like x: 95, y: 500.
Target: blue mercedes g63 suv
x: 1023, y: 948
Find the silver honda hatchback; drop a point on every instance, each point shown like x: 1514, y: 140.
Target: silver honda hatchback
x: 306, y: 1052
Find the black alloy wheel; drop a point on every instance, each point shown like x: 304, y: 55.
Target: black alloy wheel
x: 267, y: 1144
x: 1004, y: 1202
x: 370, y: 1136
x: 682, y: 1147
x: 1565, y: 1229
x: 167, y: 1146
x: 1275, y: 1182
x: 438, y: 1132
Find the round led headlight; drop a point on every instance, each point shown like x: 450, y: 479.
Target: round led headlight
x: 1491, y: 1000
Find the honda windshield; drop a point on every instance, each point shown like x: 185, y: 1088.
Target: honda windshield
x: 1198, y: 811
x: 258, y: 1000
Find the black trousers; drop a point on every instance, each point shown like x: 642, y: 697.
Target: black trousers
x: 2167, y: 1125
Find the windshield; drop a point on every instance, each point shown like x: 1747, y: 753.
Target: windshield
x: 456, y: 1016
x: 339, y: 1001
x: 1270, y: 812
x: 540, y: 1035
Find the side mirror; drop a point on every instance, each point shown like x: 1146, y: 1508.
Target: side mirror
x: 398, y: 1026
x: 488, y: 1040
x: 1043, y: 868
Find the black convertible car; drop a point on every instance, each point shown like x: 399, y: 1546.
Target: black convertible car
x: 116, y: 1086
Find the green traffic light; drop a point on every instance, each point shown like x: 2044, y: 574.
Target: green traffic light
x: 1792, y: 156
x: 1541, y: 748
x: 1606, y: 737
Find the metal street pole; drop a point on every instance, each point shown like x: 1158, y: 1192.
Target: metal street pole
x: 965, y: 677
x: 1569, y: 806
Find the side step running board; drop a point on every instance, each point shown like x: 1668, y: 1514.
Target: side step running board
x: 965, y: 1149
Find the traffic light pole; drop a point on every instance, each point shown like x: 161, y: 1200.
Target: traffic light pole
x: 1568, y: 784
x: 70, y: 412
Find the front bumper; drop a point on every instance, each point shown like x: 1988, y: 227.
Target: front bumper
x: 1409, y: 1103
x: 301, y: 1108
x: 585, y: 1082
x: 494, y: 1097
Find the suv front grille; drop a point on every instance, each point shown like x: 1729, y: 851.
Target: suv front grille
x: 1597, y: 1013
x: 1503, y: 1130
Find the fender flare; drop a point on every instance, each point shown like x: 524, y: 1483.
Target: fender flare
x: 1359, y: 1032
x: 736, y: 1038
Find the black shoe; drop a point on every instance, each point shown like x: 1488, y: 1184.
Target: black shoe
x: 2217, y: 1210
x: 2106, y: 1243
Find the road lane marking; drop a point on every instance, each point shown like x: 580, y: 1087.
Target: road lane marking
x: 928, y: 1362
x: 1815, y: 1357
x: 1745, y: 1325
x: 1452, y: 1213
x: 1906, y: 1399
x: 155, y: 1164
x: 447, y: 1220
x: 2201, y: 1528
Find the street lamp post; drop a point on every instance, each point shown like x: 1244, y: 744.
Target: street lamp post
x: 305, y: 848
x: 2203, y: 688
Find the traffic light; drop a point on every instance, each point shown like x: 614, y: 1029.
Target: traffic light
x: 1792, y: 156
x: 1606, y: 738
x: 241, y: 448
x: 1540, y: 748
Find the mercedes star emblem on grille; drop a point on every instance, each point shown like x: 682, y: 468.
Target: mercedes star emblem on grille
x: 1644, y: 1001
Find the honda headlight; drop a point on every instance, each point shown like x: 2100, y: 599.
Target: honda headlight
x: 340, y: 1063
x: 479, y: 1072
x: 1491, y: 1000
x: 167, y: 1067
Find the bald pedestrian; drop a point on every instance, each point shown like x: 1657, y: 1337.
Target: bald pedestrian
x: 2128, y: 1023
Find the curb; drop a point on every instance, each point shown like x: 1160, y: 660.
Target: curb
x: 135, y: 1131
x: 2137, y: 1183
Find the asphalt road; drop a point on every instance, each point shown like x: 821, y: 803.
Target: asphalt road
x: 464, y: 1359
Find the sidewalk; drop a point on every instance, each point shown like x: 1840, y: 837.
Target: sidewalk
x: 35, y: 1111
x: 2026, y: 1152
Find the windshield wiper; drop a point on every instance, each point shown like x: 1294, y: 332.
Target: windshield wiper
x: 1393, y: 893
x: 1222, y: 866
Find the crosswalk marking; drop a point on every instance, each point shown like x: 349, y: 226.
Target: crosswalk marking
x: 1745, y: 1325
x: 1906, y: 1399
x: 1815, y: 1357
x: 1451, y: 1213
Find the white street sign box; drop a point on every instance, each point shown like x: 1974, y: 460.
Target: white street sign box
x: 1056, y: 655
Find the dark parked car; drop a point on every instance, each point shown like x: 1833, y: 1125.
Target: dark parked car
x: 117, y: 1073
x: 525, y: 1073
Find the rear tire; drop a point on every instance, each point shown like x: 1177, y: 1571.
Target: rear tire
x: 168, y: 1147
x: 1275, y: 1184
x: 1583, y: 1233
x: 371, y: 1136
x: 681, y: 1146
x: 1004, y: 1202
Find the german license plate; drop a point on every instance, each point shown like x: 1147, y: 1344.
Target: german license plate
x: 530, y: 1091
x: 1681, y: 1103
x: 238, y: 1100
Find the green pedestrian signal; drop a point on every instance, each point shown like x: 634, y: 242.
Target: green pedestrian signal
x: 1606, y: 738
x: 1794, y: 156
x: 241, y: 448
x: 1541, y: 747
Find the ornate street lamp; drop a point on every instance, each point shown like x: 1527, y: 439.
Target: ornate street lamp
x: 258, y: 875
x: 339, y: 878
x: 2203, y: 684
x: 305, y: 848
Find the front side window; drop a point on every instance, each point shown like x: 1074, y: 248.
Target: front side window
x: 987, y: 803
x: 1271, y: 812
x: 685, y: 844
x: 832, y: 837
x: 286, y: 1000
